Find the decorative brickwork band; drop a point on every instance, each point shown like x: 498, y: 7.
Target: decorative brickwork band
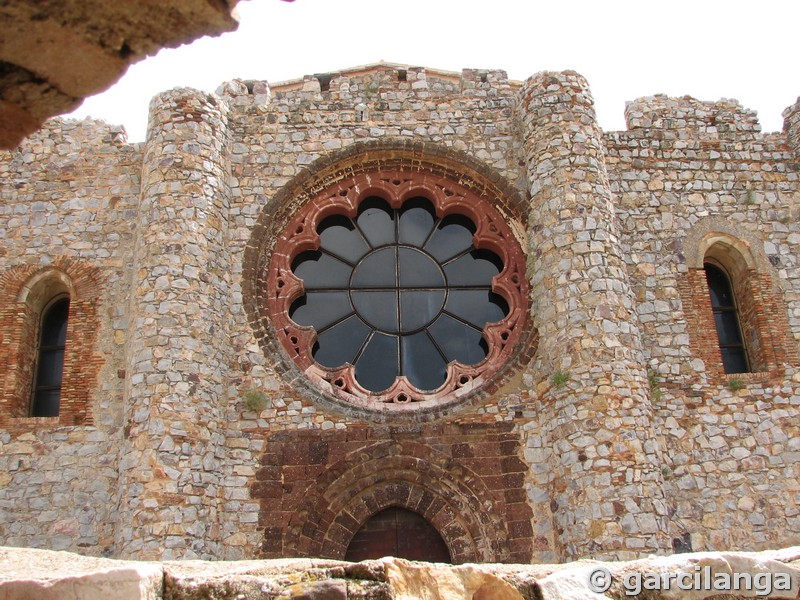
x: 465, y: 482
x: 25, y: 291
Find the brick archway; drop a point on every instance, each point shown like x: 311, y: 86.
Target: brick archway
x: 24, y: 292
x: 404, y: 474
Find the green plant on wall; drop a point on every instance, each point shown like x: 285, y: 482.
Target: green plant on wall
x: 655, y: 388
x: 560, y: 378
x: 256, y: 400
x: 735, y: 384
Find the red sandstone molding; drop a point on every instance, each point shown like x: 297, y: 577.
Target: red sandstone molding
x: 343, y: 198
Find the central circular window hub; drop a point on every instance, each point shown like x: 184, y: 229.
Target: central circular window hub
x: 398, y: 289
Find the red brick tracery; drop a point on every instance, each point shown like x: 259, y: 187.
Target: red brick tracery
x: 455, y: 182
x: 25, y: 290
x: 447, y: 197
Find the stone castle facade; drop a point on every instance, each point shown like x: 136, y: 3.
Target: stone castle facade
x: 608, y: 416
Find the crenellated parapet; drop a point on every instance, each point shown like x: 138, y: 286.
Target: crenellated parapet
x: 791, y: 126
x: 688, y: 114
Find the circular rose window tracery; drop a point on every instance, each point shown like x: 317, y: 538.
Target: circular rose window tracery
x: 397, y: 291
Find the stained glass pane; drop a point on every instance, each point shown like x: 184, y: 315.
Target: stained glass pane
x: 727, y: 327
x: 377, y: 367
x: 422, y: 362
x: 45, y: 403
x: 340, y: 343
x: 377, y: 270
x: 418, y: 308
x: 474, y: 268
x: 378, y: 309
x: 734, y: 360
x: 477, y: 306
x: 319, y: 271
x: 719, y: 286
x: 452, y: 236
x: 376, y: 221
x: 54, y: 324
x: 320, y: 309
x: 339, y: 236
x: 458, y: 341
x: 416, y: 221
x: 51, y: 366
x: 418, y: 269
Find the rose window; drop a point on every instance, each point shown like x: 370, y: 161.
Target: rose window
x: 395, y: 295
x: 397, y: 292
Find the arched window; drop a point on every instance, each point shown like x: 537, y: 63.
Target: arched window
x: 46, y: 395
x: 726, y: 318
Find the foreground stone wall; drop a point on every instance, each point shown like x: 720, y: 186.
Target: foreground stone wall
x: 612, y: 432
x: 51, y: 575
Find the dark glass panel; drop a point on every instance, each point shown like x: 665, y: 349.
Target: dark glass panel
x: 474, y: 268
x: 379, y: 309
x: 452, y: 236
x: 477, y: 306
x: 719, y: 286
x: 727, y: 328
x: 458, y: 341
x: 422, y: 363
x: 339, y: 236
x: 377, y: 367
x: 418, y: 308
x: 734, y: 360
x: 418, y: 270
x: 376, y: 221
x: 51, y: 367
x: 340, y: 343
x: 416, y: 221
x: 377, y: 270
x: 45, y: 403
x: 320, y: 270
x: 54, y: 324
x: 320, y: 309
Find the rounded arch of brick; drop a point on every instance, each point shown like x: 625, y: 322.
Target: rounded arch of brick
x: 386, y: 474
x: 24, y: 291
x: 761, y: 307
x: 368, y: 157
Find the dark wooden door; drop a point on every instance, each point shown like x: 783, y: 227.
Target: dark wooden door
x: 398, y: 532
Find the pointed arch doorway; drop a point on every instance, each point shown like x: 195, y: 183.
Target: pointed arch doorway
x: 399, y: 532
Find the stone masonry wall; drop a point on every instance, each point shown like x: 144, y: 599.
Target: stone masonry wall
x: 614, y: 432
x: 70, y: 195
x: 730, y: 455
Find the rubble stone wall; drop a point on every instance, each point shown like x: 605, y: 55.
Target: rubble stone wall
x: 613, y: 432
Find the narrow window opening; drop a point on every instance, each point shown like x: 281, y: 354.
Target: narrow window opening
x: 402, y: 75
x: 726, y: 319
x: 46, y: 395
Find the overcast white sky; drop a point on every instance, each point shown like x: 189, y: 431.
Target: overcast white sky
x: 708, y: 49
